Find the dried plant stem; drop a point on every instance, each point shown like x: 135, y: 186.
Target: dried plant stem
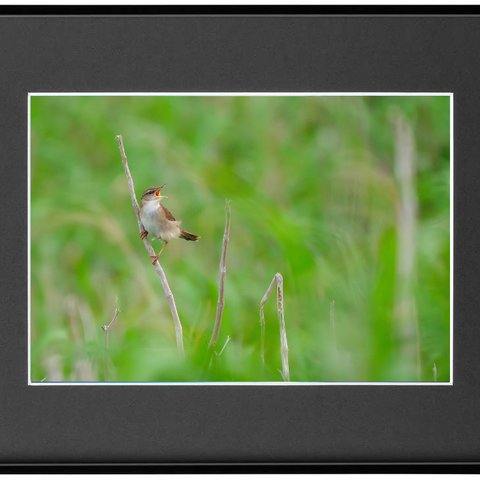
x: 158, y: 268
x: 221, y: 282
x: 106, y: 331
x: 405, y: 308
x: 278, y: 280
x: 435, y: 372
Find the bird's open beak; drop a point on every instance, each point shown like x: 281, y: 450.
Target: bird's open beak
x: 158, y: 192
x: 159, y: 195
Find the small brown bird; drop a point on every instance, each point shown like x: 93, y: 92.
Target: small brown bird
x: 158, y: 221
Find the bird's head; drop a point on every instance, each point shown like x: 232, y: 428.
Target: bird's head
x: 153, y: 194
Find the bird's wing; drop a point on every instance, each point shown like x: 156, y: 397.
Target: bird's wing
x: 167, y: 213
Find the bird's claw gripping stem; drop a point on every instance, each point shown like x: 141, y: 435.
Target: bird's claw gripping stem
x: 143, y: 234
x: 156, y: 257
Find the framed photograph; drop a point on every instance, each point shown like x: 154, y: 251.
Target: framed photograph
x: 239, y: 242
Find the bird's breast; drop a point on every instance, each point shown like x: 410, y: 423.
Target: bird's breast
x: 156, y: 223
x: 150, y: 217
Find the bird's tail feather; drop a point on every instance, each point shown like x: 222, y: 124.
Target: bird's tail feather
x: 189, y: 236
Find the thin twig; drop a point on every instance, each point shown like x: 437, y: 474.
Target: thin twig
x: 221, y: 283
x: 107, y: 326
x: 278, y: 280
x: 227, y: 341
x: 435, y: 372
x: 158, y: 268
x: 106, y: 331
x: 217, y: 354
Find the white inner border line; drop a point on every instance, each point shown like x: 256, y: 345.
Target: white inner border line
x: 238, y: 94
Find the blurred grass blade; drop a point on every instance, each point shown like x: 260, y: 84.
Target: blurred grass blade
x: 405, y: 308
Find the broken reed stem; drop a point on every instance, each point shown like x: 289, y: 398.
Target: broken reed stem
x: 221, y: 282
x: 158, y: 268
x: 278, y: 280
x: 106, y: 329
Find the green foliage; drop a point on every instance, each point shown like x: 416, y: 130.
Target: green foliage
x: 313, y: 195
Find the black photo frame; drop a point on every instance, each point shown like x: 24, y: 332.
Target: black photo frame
x: 238, y: 428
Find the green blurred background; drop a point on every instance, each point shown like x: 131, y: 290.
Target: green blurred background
x: 313, y: 195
